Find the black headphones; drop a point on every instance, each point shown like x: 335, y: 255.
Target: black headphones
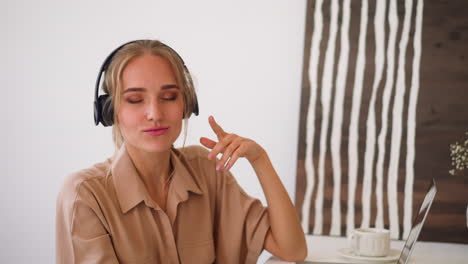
x: 103, y: 106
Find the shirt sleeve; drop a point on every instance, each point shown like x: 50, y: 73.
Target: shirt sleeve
x: 242, y: 223
x: 81, y: 234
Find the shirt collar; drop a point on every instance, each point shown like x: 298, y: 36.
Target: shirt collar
x: 130, y: 189
x: 184, y: 178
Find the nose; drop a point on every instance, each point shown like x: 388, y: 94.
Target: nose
x: 153, y: 111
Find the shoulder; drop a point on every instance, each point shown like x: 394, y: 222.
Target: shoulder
x: 194, y: 152
x: 197, y: 156
x: 77, y: 196
x: 72, y: 186
x: 196, y: 159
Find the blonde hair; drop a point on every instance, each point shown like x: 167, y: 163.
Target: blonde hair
x: 113, y: 82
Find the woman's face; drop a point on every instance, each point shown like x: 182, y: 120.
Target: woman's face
x: 151, y: 107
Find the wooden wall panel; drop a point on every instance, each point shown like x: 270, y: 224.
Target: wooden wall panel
x: 441, y: 116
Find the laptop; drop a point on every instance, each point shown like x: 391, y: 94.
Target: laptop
x: 418, y: 223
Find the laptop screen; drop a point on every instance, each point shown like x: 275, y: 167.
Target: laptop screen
x: 418, y: 224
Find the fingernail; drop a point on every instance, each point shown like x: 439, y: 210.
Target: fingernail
x: 227, y: 167
x: 218, y: 167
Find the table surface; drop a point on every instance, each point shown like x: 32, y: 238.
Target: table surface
x: 325, y: 249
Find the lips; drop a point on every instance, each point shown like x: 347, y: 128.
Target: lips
x: 156, y: 131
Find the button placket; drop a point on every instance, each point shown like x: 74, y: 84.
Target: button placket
x: 169, y: 236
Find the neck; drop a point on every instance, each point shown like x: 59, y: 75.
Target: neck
x: 154, y: 168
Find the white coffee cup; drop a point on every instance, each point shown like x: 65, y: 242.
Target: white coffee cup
x: 370, y: 242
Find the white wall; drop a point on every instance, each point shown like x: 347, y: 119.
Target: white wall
x: 246, y: 57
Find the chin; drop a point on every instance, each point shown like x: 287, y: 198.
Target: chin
x: 151, y: 148
x: 159, y: 145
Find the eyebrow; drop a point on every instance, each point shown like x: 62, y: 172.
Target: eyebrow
x: 141, y: 89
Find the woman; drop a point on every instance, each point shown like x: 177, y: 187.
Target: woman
x: 152, y: 203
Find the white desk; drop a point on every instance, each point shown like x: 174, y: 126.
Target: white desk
x: 324, y: 248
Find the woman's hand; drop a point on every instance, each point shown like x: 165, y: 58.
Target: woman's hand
x: 286, y: 238
x: 231, y: 146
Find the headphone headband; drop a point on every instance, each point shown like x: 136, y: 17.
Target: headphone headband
x: 103, y: 106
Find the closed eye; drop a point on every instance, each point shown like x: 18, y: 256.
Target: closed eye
x: 169, y: 96
x: 134, y: 101
x: 173, y: 98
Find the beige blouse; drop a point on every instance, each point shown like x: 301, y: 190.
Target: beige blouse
x: 106, y: 215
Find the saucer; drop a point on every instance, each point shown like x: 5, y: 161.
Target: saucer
x: 393, y: 254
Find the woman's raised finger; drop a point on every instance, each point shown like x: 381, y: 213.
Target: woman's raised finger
x: 216, y: 128
x: 233, y: 158
x: 228, y: 152
x: 220, y: 146
x: 207, y: 142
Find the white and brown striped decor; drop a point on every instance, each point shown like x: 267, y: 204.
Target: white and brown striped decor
x: 381, y: 83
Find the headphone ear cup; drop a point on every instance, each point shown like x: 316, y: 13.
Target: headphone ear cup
x: 195, y: 104
x: 97, y: 113
x: 189, y: 83
x: 107, y: 110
